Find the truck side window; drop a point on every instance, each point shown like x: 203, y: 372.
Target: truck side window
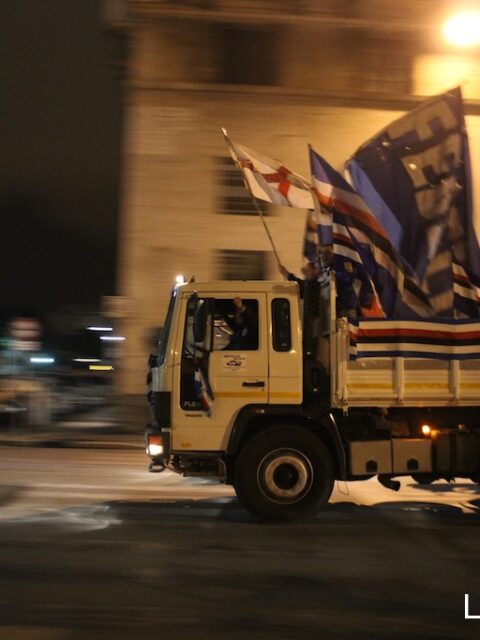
x: 235, y: 324
x: 188, y: 337
x: 281, y: 329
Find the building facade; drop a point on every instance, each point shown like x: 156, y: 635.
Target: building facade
x: 278, y: 75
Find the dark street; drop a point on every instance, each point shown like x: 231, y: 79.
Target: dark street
x: 166, y: 556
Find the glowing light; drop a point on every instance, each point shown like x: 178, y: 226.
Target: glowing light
x: 154, y: 445
x: 113, y: 338
x: 100, y: 328
x: 155, y: 450
x: 86, y: 360
x: 426, y: 429
x: 463, y: 29
x: 180, y: 279
x: 42, y: 360
x: 100, y: 367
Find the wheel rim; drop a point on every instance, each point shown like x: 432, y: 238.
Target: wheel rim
x: 285, y: 475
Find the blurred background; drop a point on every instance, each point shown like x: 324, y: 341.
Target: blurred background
x: 115, y: 177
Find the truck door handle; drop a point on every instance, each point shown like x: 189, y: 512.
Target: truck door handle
x: 258, y: 383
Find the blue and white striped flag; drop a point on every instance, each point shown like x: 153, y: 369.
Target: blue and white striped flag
x: 202, y: 388
x: 466, y: 291
x: 441, y: 339
x: 415, y: 177
x: 358, y: 236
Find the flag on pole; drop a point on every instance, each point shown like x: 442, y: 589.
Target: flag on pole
x: 415, y: 177
x: 359, y: 237
x: 202, y: 388
x: 269, y: 180
x: 311, y: 241
x: 355, y: 267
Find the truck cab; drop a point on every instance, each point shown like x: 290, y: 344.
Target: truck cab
x: 200, y: 340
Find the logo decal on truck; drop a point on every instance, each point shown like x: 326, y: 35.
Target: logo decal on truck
x: 234, y: 362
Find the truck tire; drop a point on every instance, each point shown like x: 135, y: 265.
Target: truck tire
x: 284, y: 474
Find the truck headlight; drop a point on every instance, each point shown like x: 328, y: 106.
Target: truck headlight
x: 155, y: 446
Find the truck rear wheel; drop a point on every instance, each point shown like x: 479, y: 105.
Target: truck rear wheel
x: 284, y: 474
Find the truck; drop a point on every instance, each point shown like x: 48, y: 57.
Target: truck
x: 388, y: 398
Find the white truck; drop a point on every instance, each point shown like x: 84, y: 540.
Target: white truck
x: 389, y: 399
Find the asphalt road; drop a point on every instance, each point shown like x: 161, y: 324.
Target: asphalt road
x: 92, y: 546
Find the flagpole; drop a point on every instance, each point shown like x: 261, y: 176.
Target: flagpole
x: 262, y: 218
x: 254, y: 200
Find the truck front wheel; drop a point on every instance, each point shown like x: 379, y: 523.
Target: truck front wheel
x: 284, y: 474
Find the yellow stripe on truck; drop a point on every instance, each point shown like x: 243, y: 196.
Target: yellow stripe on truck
x: 253, y: 394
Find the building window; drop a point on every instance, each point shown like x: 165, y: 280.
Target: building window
x: 249, y: 55
x: 241, y: 265
x: 387, y: 67
x: 235, y: 199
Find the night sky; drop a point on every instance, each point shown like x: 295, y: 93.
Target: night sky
x: 60, y: 141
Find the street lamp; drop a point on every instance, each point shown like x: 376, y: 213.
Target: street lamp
x: 463, y: 29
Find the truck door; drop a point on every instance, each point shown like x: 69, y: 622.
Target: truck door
x: 223, y: 374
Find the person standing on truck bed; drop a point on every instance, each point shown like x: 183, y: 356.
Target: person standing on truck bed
x: 346, y: 297
x: 311, y: 274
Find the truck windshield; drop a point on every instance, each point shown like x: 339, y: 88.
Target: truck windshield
x: 162, y: 346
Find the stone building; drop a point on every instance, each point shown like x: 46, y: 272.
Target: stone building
x: 277, y: 74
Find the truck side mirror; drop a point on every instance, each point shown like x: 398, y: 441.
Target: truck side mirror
x: 200, y: 321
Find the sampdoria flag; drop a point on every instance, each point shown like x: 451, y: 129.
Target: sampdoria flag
x: 466, y: 291
x: 311, y: 240
x: 203, y: 389
x: 359, y: 238
x: 415, y: 177
x: 441, y: 339
x: 269, y: 180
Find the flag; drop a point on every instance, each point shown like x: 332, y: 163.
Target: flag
x: 311, y: 241
x: 415, y: 177
x: 466, y: 291
x: 354, y: 269
x: 269, y: 180
x: 202, y: 388
x: 440, y: 340
x: 359, y: 237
